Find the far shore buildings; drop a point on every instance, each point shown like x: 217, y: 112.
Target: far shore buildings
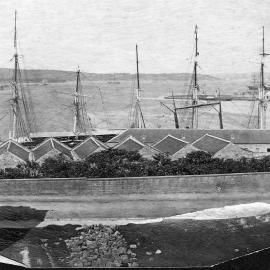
x: 176, y: 143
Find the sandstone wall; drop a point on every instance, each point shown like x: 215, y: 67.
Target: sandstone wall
x: 207, y: 184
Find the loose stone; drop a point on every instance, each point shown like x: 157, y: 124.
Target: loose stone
x: 100, y: 246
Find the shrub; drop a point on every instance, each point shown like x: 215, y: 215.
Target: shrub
x: 121, y: 163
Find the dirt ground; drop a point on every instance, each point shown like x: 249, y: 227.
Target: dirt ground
x: 169, y: 243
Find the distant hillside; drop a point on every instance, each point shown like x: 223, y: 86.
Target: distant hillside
x: 243, y: 76
x: 62, y: 76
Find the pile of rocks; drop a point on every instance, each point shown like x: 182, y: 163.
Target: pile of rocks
x: 100, y: 246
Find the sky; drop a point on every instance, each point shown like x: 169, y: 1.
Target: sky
x: 100, y: 36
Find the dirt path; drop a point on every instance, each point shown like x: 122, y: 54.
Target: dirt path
x: 122, y: 207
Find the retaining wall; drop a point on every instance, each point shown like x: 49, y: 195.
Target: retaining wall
x: 222, y: 183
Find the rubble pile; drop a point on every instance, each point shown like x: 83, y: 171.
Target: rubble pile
x: 100, y: 246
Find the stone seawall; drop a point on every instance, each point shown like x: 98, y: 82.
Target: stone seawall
x: 225, y: 183
x: 84, y: 201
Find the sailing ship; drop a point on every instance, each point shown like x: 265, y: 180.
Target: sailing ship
x: 261, y: 96
x: 193, y: 98
x: 255, y: 85
x: 23, y: 127
x: 137, y: 117
x: 23, y: 123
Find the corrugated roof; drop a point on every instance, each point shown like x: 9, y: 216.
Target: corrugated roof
x: 151, y: 136
x: 170, y: 145
x: 210, y: 144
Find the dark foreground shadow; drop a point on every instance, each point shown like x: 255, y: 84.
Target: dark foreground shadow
x: 15, y: 225
x: 256, y: 260
x: 21, y: 213
x: 16, y: 222
x: 5, y: 266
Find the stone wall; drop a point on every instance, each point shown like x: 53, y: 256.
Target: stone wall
x: 207, y: 184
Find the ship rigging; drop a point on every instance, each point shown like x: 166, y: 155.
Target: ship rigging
x: 193, y: 97
x: 23, y: 120
x: 262, y: 92
x: 138, y: 119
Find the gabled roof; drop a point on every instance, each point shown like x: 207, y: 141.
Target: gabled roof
x: 150, y: 136
x: 48, y: 145
x: 148, y: 152
x: 209, y: 143
x: 170, y: 144
x: 62, y: 148
x: 4, y: 147
x: 42, y: 149
x: 233, y: 151
x: 87, y: 147
x: 17, y: 150
x: 184, y: 151
x: 130, y: 144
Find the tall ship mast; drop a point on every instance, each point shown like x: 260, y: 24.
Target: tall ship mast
x: 79, y: 123
x: 262, y: 106
x: 138, y: 121
x: 22, y: 117
x: 194, y: 97
x: 195, y: 88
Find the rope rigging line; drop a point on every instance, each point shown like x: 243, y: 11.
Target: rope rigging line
x: 28, y: 115
x: 27, y: 97
x: 187, y: 114
x: 131, y: 116
x: 99, y: 92
x: 1, y: 118
x: 252, y: 118
x: 104, y: 110
x: 186, y: 103
x: 233, y: 118
x: 81, y: 107
x: 92, y: 81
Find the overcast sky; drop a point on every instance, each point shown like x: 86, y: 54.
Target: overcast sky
x: 100, y: 35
